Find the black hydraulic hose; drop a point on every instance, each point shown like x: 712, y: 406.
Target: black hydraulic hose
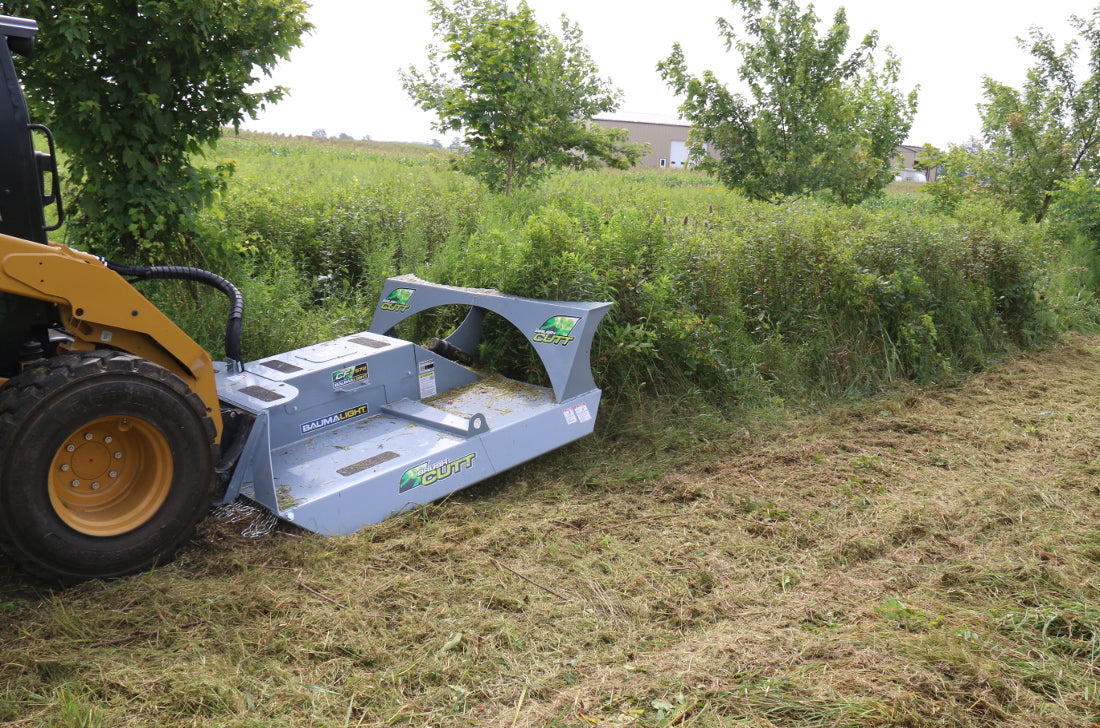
x: 449, y: 351
x: 198, y: 275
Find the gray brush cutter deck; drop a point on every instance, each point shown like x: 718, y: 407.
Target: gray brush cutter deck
x: 350, y: 431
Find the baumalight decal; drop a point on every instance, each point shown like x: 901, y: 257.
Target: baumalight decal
x: 333, y: 418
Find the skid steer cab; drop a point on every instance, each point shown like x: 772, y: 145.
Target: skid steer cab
x: 118, y: 432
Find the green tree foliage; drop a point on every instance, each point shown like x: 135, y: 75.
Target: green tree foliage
x: 817, y: 119
x: 522, y: 96
x: 1048, y: 131
x: 133, y: 90
x: 1077, y: 204
x: 929, y: 160
x: 964, y: 175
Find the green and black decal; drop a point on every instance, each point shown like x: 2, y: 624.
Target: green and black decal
x: 556, y: 330
x: 425, y: 474
x: 349, y: 375
x: 398, y: 300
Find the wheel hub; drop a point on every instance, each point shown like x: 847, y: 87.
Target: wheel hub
x: 111, y: 475
x: 90, y: 461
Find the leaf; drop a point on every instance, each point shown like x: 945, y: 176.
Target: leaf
x: 452, y: 643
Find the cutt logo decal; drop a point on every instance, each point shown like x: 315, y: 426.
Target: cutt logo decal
x: 333, y: 418
x: 398, y: 300
x: 425, y: 474
x: 349, y: 375
x: 556, y: 330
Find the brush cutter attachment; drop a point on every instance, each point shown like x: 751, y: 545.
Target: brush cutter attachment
x: 347, y: 432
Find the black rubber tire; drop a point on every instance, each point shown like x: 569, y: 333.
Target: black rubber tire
x: 44, y: 407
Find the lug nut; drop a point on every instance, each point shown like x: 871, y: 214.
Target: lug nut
x: 75, y: 484
x: 113, y: 474
x: 107, y: 439
x: 65, y: 467
x: 118, y: 456
x: 70, y: 448
x: 95, y: 486
x: 87, y: 436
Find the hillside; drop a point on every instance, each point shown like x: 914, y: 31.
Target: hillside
x: 929, y: 557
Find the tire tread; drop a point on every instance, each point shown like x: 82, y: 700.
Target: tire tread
x: 32, y: 386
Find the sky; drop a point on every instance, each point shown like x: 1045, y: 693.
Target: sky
x: 344, y: 78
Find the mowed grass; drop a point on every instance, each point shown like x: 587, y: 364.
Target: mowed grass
x: 930, y: 557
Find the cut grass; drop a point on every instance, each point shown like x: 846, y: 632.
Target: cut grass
x: 930, y: 557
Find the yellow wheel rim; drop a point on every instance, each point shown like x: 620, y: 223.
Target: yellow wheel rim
x: 111, y: 475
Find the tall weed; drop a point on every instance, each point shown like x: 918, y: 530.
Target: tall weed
x: 715, y: 296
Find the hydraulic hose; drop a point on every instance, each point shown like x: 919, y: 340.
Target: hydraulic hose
x: 198, y: 275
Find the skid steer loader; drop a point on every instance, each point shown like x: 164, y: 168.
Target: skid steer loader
x: 118, y: 432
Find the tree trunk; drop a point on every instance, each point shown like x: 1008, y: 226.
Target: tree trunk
x: 1043, y: 208
x: 508, y: 174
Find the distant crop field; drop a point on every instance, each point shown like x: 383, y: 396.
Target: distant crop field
x: 904, y: 188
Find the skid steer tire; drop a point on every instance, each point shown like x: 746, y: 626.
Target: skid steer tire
x: 106, y: 465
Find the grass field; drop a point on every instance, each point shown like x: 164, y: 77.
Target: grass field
x: 782, y: 519
x: 930, y: 557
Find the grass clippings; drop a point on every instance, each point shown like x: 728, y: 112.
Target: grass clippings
x: 927, y: 558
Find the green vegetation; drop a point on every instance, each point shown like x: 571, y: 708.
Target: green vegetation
x: 717, y: 297
x: 1036, y: 139
x: 522, y: 96
x: 778, y: 522
x: 817, y: 119
x: 709, y: 558
x: 133, y: 106
x: 1048, y: 132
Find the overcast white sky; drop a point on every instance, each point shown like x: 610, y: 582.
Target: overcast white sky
x: 344, y: 79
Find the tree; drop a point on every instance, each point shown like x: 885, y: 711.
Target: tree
x: 521, y: 96
x: 134, y: 90
x: 963, y: 174
x: 817, y: 119
x: 1049, y: 131
x: 929, y: 160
